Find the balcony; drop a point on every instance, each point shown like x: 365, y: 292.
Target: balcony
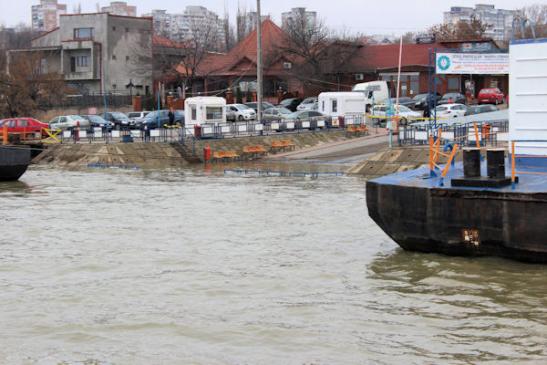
x: 79, y: 76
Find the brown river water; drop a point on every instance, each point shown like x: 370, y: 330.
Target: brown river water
x: 207, y: 267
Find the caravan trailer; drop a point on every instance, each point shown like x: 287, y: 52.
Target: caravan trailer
x: 340, y: 105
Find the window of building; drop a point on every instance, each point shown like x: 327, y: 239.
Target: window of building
x: 454, y: 83
x: 114, y: 86
x: 82, y: 61
x: 414, y: 85
x: 114, y: 57
x: 83, y: 33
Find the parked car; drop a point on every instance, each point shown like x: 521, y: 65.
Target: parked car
x: 305, y: 114
x: 452, y: 98
x: 406, y: 114
x: 308, y: 104
x: 118, y: 119
x: 404, y: 100
x: 24, y: 125
x: 136, y: 117
x: 97, y: 121
x: 291, y: 103
x: 491, y: 96
x: 479, y: 109
x: 423, y: 101
x: 275, y: 113
x: 162, y: 116
x: 239, y: 112
x: 67, y: 122
x: 265, y: 105
x: 450, y: 110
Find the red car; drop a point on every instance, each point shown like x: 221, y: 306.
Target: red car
x: 491, y: 96
x: 26, y: 126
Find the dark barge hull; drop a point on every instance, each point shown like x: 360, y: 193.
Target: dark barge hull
x: 462, y: 222
x: 14, y: 161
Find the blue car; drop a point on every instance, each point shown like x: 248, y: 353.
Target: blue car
x: 162, y: 116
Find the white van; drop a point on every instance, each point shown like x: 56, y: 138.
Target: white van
x: 204, y: 110
x: 376, y: 92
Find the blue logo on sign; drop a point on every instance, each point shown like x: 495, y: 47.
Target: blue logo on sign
x: 443, y: 63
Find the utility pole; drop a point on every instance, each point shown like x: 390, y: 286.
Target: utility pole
x: 259, y: 62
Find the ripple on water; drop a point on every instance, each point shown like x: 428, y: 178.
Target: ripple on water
x: 155, y: 267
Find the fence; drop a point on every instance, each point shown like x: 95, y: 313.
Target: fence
x: 210, y: 131
x: 87, y: 101
x: 464, y: 134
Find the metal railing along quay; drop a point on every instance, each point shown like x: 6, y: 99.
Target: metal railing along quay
x: 489, y: 132
x: 208, y: 131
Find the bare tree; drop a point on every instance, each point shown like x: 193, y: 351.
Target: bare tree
x: 29, y: 86
x: 536, y: 16
x: 473, y: 29
x: 319, y: 57
x: 305, y: 42
x: 203, y: 38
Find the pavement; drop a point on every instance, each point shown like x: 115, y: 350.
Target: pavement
x: 349, y: 151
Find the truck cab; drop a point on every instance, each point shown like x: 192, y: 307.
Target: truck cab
x: 376, y: 92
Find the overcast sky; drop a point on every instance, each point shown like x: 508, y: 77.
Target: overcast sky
x: 365, y: 16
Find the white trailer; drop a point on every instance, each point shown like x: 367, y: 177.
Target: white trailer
x: 204, y: 110
x: 341, y: 104
x: 528, y: 96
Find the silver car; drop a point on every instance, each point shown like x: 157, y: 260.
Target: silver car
x: 68, y: 122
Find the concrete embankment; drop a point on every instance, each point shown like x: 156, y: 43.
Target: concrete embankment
x: 393, y: 160
x: 165, y: 155
x: 141, y: 155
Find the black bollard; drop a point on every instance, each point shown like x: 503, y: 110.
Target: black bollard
x: 496, y: 163
x: 471, y: 162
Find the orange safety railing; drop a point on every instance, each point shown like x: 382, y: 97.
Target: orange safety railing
x: 435, y: 154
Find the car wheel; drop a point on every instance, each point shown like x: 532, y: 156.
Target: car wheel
x: 240, y: 118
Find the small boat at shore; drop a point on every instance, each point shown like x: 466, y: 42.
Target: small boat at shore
x: 14, y: 161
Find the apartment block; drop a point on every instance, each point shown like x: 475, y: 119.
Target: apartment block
x: 97, y: 53
x: 45, y: 16
x: 499, y: 21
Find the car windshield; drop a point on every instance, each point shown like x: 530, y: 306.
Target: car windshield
x: 309, y: 101
x: 294, y: 115
x: 450, y: 96
x: 420, y: 97
x: 242, y: 107
x: 404, y: 109
x: 119, y: 116
x: 286, y: 101
x: 441, y: 108
x: 77, y: 117
x: 93, y: 118
x: 134, y: 115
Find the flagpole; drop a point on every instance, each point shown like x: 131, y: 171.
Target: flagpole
x: 259, y: 62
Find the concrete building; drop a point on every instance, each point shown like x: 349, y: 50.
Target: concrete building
x: 499, y: 21
x: 120, y: 8
x: 185, y: 26
x: 45, y: 16
x: 298, y: 13
x: 97, y: 53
